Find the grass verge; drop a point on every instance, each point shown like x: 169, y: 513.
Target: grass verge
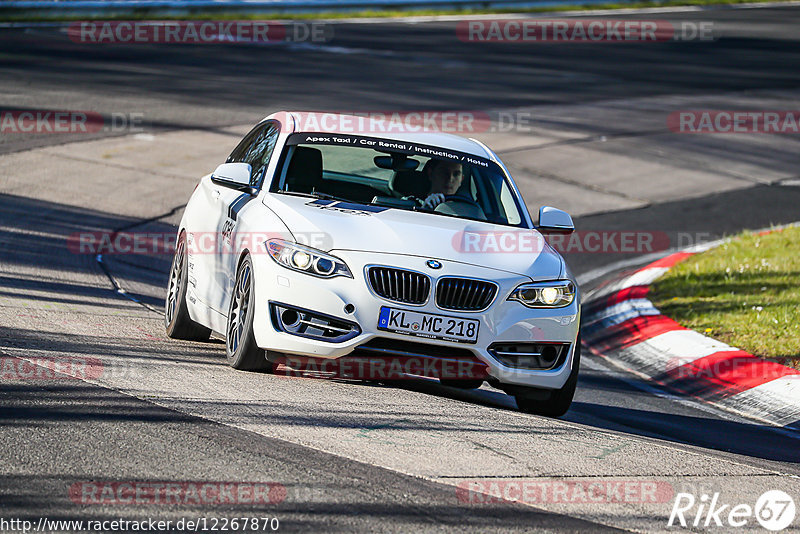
x: 745, y: 292
x: 14, y: 15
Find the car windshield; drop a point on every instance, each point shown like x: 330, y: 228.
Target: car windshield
x: 398, y: 175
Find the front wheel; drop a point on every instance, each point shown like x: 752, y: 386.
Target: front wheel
x: 240, y: 343
x: 560, y: 399
x: 176, y: 315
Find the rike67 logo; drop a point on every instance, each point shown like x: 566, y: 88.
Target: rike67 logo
x: 774, y: 510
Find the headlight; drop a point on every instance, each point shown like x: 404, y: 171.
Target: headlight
x: 545, y: 294
x: 306, y: 260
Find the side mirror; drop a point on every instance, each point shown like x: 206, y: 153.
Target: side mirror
x: 233, y: 175
x: 554, y: 221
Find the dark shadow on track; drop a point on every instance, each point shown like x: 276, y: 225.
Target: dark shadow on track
x: 692, y: 221
x: 407, y: 66
x: 680, y: 425
x: 760, y: 441
x: 37, y: 233
x: 323, y: 493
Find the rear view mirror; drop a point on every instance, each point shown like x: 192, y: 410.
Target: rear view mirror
x: 396, y: 162
x: 232, y: 174
x: 554, y: 221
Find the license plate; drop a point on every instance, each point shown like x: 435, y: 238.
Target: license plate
x: 429, y: 325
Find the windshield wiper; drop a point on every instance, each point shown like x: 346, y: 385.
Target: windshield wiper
x: 327, y: 196
x: 316, y: 194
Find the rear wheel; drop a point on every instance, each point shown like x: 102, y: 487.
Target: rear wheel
x: 240, y: 343
x: 176, y: 315
x: 560, y: 399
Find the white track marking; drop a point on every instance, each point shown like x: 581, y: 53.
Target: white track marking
x: 620, y: 312
x: 687, y: 345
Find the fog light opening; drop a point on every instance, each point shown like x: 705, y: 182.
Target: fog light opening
x: 314, y: 325
x: 549, y: 355
x: 525, y: 355
x: 290, y: 318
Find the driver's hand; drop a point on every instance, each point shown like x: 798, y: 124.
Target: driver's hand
x: 433, y: 200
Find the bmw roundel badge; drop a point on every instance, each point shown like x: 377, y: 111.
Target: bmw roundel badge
x: 433, y: 264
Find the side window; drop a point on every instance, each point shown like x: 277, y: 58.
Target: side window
x: 507, y: 201
x: 238, y: 152
x: 256, y: 149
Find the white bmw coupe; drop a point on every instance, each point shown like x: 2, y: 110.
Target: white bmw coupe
x: 321, y: 241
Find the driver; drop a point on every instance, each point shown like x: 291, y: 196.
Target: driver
x: 445, y: 178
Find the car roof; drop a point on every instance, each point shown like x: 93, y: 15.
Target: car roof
x: 297, y: 121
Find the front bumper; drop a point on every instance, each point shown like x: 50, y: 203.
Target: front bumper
x: 503, y: 321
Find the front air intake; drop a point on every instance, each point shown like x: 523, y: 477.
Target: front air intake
x: 530, y: 355
x: 310, y: 324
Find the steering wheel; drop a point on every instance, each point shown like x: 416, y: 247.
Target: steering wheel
x: 461, y: 198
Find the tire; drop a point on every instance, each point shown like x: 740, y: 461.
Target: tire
x: 240, y: 343
x: 560, y: 399
x: 461, y: 384
x: 177, y: 322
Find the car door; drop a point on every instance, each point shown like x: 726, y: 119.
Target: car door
x: 256, y: 149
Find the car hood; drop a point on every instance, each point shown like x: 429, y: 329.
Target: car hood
x: 333, y: 225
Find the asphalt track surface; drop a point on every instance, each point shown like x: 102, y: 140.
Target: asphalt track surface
x: 327, y: 442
